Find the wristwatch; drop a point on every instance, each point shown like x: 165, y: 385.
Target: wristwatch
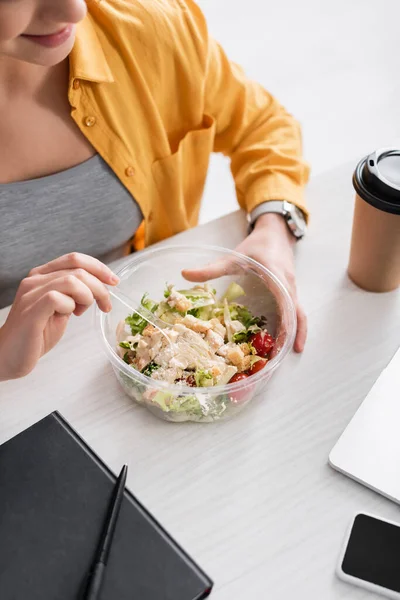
x: 293, y: 216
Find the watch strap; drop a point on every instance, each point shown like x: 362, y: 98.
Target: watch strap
x: 272, y: 206
x: 294, y: 217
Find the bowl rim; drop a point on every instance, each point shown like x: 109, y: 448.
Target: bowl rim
x: 271, y: 365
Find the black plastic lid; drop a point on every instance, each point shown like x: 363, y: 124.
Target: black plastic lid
x: 377, y: 180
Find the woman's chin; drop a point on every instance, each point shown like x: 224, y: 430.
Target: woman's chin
x: 32, y: 52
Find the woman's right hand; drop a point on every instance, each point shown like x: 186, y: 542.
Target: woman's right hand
x: 44, y: 302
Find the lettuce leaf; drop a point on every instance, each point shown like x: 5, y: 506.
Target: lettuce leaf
x: 169, y: 403
x: 198, y: 298
x: 135, y: 321
x: 203, y: 378
x: 233, y: 292
x: 240, y: 337
x: 245, y: 316
x: 150, y: 368
x: 204, y: 312
x: 125, y: 345
x: 148, y: 303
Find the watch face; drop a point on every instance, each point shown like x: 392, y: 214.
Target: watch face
x: 297, y: 222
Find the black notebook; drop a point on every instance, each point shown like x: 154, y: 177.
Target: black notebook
x: 54, y: 495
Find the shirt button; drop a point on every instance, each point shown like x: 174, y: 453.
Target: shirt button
x: 76, y: 85
x: 129, y: 171
x: 150, y: 217
x: 90, y: 121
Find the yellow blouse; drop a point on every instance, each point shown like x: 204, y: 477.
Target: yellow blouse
x: 155, y: 95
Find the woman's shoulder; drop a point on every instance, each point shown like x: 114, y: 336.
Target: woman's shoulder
x: 162, y: 17
x: 125, y: 11
x: 158, y: 34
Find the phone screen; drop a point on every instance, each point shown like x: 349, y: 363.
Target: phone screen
x: 373, y: 552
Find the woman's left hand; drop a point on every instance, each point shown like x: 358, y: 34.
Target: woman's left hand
x: 270, y: 244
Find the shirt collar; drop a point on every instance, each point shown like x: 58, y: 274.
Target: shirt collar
x: 87, y: 59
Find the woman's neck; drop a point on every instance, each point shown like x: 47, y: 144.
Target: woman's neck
x: 23, y: 78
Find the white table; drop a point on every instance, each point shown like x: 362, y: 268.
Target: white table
x: 253, y: 499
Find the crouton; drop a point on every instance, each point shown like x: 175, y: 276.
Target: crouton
x: 179, y: 301
x: 149, y: 330
x: 235, y: 356
x: 245, y: 364
x: 215, y: 371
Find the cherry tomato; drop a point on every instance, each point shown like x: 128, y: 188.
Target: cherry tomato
x: 240, y: 396
x: 258, y: 366
x: 263, y: 343
x: 238, y: 377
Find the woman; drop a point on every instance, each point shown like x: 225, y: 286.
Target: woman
x: 108, y: 114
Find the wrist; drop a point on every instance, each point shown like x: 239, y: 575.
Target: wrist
x: 274, y: 224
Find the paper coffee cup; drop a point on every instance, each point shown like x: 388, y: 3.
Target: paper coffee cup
x: 375, y: 246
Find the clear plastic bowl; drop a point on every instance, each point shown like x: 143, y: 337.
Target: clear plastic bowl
x: 148, y: 272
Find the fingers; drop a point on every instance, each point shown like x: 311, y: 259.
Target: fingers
x: 99, y: 291
x: 47, y: 305
x: 213, y: 271
x: 81, y: 286
x: 79, y: 310
x: 301, y: 334
x: 301, y: 331
x: 75, y: 260
x: 31, y: 288
x: 71, y: 286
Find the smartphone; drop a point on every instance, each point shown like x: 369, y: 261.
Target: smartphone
x: 370, y: 557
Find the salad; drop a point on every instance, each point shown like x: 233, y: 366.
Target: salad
x: 207, y: 341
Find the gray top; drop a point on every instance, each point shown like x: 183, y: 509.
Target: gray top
x: 83, y: 209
